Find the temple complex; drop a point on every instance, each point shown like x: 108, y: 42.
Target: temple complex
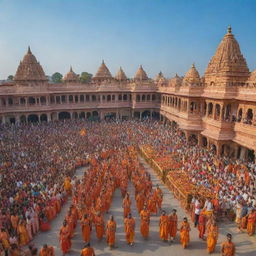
x: 216, y: 110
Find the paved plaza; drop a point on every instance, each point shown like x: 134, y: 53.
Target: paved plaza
x: 245, y: 245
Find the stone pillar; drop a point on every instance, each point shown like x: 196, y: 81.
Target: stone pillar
x: 186, y: 135
x: 49, y: 117
x: 218, y: 149
x: 200, y: 139
x: 101, y: 115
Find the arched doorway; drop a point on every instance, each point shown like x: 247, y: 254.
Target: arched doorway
x: 64, y: 115
x: 251, y: 155
x: 204, y: 141
x: 33, y: 118
x: 75, y: 115
x: 23, y: 119
x: 137, y: 115
x: 193, y: 139
x: 82, y: 115
x: 12, y: 120
x: 145, y: 114
x: 110, y: 116
x: 88, y: 115
x: 155, y: 115
x: 213, y: 148
x: 43, y: 118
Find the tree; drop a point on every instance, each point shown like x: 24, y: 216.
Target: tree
x: 57, y: 77
x: 10, y: 77
x: 85, y: 77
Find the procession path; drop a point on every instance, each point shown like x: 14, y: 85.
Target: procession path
x: 246, y: 246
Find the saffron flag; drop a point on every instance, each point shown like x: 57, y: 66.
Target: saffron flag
x: 83, y: 132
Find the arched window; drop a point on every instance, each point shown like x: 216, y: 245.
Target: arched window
x: 113, y: 97
x: 217, y: 116
x: 93, y: 98
x: 249, y: 116
x: 148, y: 97
x: 109, y: 98
x: 240, y: 115
x: 42, y: 100
x: 63, y: 98
x: 31, y: 100
x: 120, y: 97
x: 70, y: 98
x: 82, y: 98
x: 210, y: 107
x: 125, y: 97
x: 138, y: 97
x: 22, y: 101
x: 143, y: 97
x: 153, y: 97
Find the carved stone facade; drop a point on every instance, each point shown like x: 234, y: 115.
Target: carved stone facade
x: 217, y: 110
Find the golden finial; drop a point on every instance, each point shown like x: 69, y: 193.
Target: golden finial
x: 193, y: 65
x: 29, y: 51
x: 229, y: 29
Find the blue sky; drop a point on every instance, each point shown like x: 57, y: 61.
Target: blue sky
x: 166, y: 35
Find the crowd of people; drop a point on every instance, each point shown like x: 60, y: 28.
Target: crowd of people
x: 38, y: 161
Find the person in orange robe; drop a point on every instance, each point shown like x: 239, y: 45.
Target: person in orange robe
x: 4, y: 239
x: 47, y: 251
x: 212, y: 237
x: 65, y: 238
x: 184, y: 233
x: 126, y: 205
x: 23, y: 233
x: 201, y: 225
x: 68, y: 185
x: 99, y: 225
x: 251, y: 222
x: 88, y: 250
x: 129, y: 223
x: 140, y: 199
x: 86, y: 228
x: 111, y: 232
x: 152, y: 205
x: 144, y: 224
x: 173, y: 224
x: 14, y: 220
x: 228, y: 247
x: 164, y: 226
x: 159, y: 197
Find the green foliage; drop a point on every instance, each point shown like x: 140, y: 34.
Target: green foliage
x: 57, y: 77
x: 85, y: 77
x: 10, y: 77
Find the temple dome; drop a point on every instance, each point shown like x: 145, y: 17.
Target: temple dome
x: 159, y: 76
x: 228, y: 59
x: 175, y: 81
x: 141, y: 74
x: 253, y: 76
x: 103, y: 72
x: 192, y: 76
x: 121, y: 75
x: 71, y: 76
x: 30, y: 69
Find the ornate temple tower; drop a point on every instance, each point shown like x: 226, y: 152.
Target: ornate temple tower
x: 71, y: 77
x: 226, y: 69
x: 140, y: 74
x: 121, y: 76
x: 103, y: 73
x: 30, y: 72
